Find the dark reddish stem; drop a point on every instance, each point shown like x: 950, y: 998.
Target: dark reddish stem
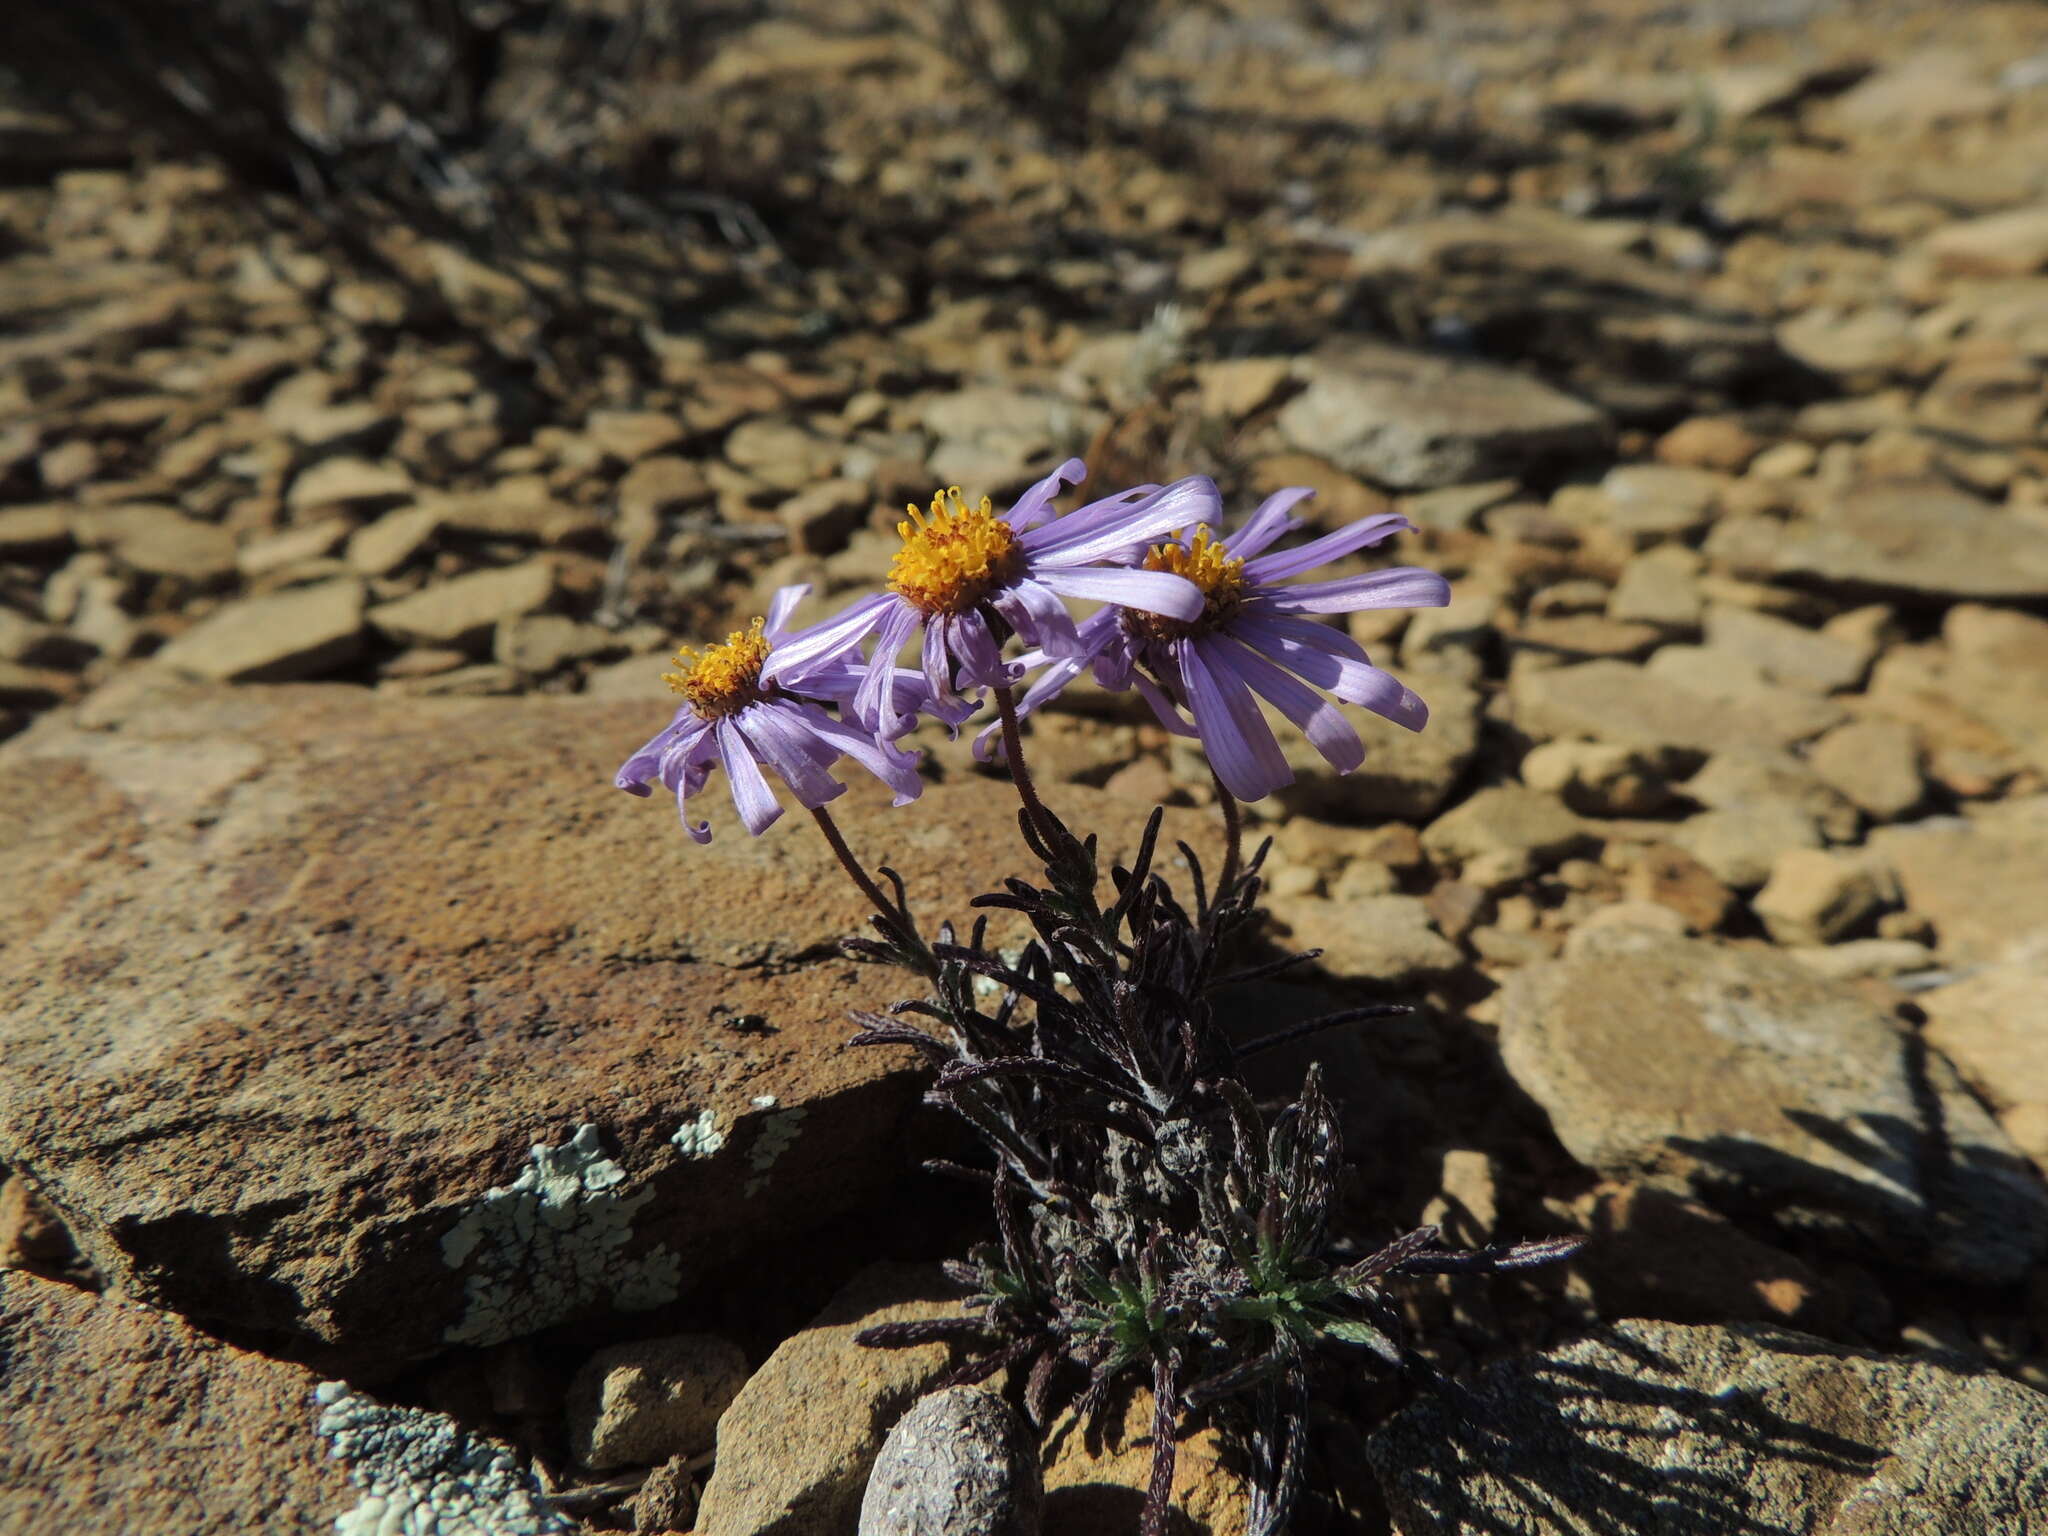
x: 1020, y: 771
x: 892, y: 917
x: 1233, y: 831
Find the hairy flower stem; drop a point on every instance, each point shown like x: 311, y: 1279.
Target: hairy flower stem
x: 893, y: 918
x: 1020, y: 771
x: 1233, y: 830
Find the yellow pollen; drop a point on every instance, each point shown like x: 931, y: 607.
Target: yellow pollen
x: 953, y: 556
x: 1209, y: 567
x: 721, y: 679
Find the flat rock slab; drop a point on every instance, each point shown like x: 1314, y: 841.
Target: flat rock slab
x: 1772, y: 1092
x: 1912, y: 540
x: 391, y: 1024
x: 1661, y: 1429
x: 1414, y: 420
x: 1982, y: 878
x: 116, y: 1419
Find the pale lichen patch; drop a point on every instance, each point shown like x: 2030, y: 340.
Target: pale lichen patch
x: 422, y: 1476
x: 779, y: 1132
x: 700, y: 1137
x: 552, y: 1244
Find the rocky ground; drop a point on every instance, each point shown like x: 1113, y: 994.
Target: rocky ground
x: 352, y: 1030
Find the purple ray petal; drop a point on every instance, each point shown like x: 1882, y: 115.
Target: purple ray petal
x: 1320, y: 721
x: 1035, y: 505
x: 751, y: 796
x: 1406, y: 586
x: 644, y: 766
x: 1325, y: 657
x: 1331, y: 546
x: 1038, y: 616
x: 780, y: 737
x: 1235, y: 735
x: 875, y: 703
x: 1159, y: 592
x: 833, y: 638
x: 1084, y: 537
x: 1167, y: 711
x: 895, y: 768
x: 1268, y: 523
x: 781, y: 606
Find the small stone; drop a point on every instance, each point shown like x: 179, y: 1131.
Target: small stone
x: 1874, y: 763
x: 1861, y: 959
x: 465, y: 611
x: 1982, y: 880
x: 959, y: 1463
x: 518, y: 507
x: 31, y: 1234
x: 1469, y: 1194
x: 1709, y: 442
x: 348, y: 482
x: 1655, y: 1253
x: 641, y: 1403
x: 822, y: 517
x: 293, y: 547
x: 1415, y: 421
x: 34, y: 530
x: 632, y: 436
x: 1784, y: 461
x: 797, y: 1444
x: 667, y: 1501
x: 1989, y: 1024
x: 1741, y: 843
x: 394, y: 539
x: 1659, y: 586
x: 1741, y: 776
x: 1674, y: 879
x: 1774, y: 713
x: 1505, y: 833
x: 1652, y: 916
x: 1616, y: 701
x: 783, y: 455
x: 1788, y: 653
x: 2010, y: 244
x: 160, y: 541
x: 1599, y: 778
x: 1650, y: 503
x: 656, y: 487
x: 1818, y: 897
x: 1379, y: 938
x: 1457, y: 507
x: 1242, y: 386
x: 1208, y: 271
x: 540, y: 643
x: 281, y: 637
x: 1099, y: 1494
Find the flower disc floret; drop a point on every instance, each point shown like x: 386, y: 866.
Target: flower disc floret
x: 721, y: 679
x: 953, y: 556
x: 1205, y: 562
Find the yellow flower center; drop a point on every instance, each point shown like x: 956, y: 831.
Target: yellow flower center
x: 954, y: 555
x: 721, y: 679
x: 1208, y: 566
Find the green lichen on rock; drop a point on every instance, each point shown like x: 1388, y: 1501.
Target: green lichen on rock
x: 422, y: 1476
x: 552, y: 1244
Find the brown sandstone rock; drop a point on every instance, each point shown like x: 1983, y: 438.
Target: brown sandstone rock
x: 308, y: 997
x: 1767, y: 1090
x: 115, y: 1419
x: 795, y: 1447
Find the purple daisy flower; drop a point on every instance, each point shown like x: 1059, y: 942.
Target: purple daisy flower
x: 959, y: 564
x: 746, y: 707
x: 1254, y: 639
